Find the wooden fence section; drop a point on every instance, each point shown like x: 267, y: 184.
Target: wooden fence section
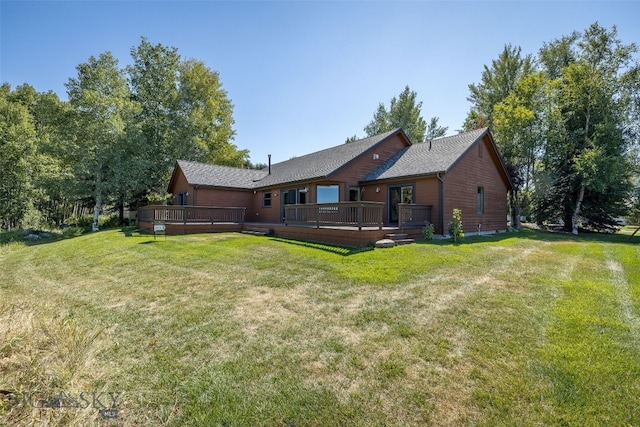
x: 191, y: 214
x: 412, y: 216
x: 353, y: 214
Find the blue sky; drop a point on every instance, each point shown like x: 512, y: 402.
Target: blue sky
x: 302, y: 75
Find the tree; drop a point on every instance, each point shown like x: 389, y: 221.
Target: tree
x: 403, y: 113
x: 154, y: 77
x: 434, y: 130
x: 507, y: 100
x: 53, y: 195
x: 102, y: 102
x: 17, y: 146
x: 587, y: 170
x: 496, y: 84
x: 351, y: 139
x: 184, y: 113
x: 518, y: 129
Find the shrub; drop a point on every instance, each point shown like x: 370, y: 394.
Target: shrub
x: 34, y: 219
x: 72, y: 232
x: 85, y: 221
x: 428, y: 231
x: 455, y: 226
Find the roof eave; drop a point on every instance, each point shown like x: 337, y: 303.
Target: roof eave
x: 403, y: 177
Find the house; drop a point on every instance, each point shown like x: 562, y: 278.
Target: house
x: 378, y: 183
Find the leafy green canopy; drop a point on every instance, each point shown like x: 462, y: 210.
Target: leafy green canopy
x: 585, y: 162
x: 115, y: 140
x: 565, y: 124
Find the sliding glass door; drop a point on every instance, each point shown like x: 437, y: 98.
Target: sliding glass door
x: 399, y: 194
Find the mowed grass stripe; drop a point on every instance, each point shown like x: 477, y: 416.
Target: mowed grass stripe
x: 593, y: 370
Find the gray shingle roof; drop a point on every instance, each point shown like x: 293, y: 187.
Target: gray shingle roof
x: 414, y: 160
x: 316, y: 165
x: 322, y: 163
x: 220, y: 176
x: 426, y: 158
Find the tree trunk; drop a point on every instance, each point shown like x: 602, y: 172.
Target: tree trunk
x: 515, y: 211
x: 121, y: 212
x: 96, y: 212
x: 518, y: 212
x: 567, y: 218
x: 98, y: 206
x: 576, y: 213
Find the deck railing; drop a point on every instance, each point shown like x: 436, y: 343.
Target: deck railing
x: 411, y: 216
x: 354, y: 214
x: 190, y: 214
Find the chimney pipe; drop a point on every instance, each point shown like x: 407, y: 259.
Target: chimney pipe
x: 269, y: 155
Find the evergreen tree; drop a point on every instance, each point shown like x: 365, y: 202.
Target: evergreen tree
x: 404, y: 112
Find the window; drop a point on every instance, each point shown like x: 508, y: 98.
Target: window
x: 294, y: 196
x: 328, y: 193
x: 480, y: 201
x: 182, y: 198
x: 266, y: 199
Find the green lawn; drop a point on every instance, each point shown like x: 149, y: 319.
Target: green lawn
x: 527, y: 329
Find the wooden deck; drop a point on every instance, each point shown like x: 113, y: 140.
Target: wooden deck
x: 359, y: 231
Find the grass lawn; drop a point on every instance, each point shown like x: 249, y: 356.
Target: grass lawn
x: 527, y: 329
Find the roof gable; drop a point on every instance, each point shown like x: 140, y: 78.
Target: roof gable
x: 324, y: 163
x: 431, y: 157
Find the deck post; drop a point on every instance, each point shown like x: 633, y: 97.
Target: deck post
x: 360, y: 216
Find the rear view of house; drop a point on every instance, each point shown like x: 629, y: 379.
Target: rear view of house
x: 375, y: 183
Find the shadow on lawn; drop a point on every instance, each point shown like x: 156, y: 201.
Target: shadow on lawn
x: 338, y: 250
x: 525, y: 233
x: 542, y: 235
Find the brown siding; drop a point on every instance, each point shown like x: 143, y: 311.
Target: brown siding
x: 425, y: 193
x: 180, y: 185
x: 225, y: 198
x: 269, y: 214
x: 211, y: 196
x: 368, y: 193
x: 360, y: 167
x: 461, y: 186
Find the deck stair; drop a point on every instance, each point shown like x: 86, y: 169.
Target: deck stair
x: 258, y: 231
x: 399, y: 238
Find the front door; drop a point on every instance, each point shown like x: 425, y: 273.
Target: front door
x: 398, y: 194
